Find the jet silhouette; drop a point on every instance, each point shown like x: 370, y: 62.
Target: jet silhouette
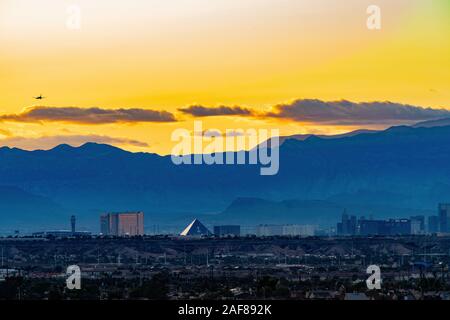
x: 39, y: 97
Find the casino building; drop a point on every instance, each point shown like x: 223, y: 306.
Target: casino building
x: 122, y: 224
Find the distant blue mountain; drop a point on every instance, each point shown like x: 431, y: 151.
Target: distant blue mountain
x: 402, y: 169
x: 20, y: 208
x: 433, y: 123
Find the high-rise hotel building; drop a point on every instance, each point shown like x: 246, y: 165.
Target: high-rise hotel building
x: 122, y: 224
x: 444, y: 217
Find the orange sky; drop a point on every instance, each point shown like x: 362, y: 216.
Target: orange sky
x: 165, y: 55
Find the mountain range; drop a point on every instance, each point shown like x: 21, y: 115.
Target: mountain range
x: 397, y: 172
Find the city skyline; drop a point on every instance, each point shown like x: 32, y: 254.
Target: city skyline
x: 132, y: 224
x: 224, y: 158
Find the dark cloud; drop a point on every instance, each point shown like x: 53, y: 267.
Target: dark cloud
x: 333, y: 113
x: 201, y: 111
x: 313, y: 111
x: 89, y: 115
x: 350, y: 113
x: 48, y: 142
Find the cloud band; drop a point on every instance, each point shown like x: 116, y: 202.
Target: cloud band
x: 88, y: 115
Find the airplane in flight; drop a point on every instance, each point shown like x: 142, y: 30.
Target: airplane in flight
x: 40, y: 97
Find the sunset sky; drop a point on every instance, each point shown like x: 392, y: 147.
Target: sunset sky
x: 244, y: 63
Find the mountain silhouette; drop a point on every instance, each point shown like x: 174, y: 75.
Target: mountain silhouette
x: 433, y: 123
x: 19, y: 208
x: 396, y: 171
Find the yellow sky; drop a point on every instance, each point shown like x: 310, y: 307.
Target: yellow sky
x: 164, y: 55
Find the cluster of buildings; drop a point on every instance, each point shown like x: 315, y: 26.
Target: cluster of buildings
x: 441, y: 222
x: 285, y: 230
x: 132, y: 224
x: 351, y: 225
x: 63, y: 233
x: 196, y: 228
x: 122, y: 224
x: 228, y: 230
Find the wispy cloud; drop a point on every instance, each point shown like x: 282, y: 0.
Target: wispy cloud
x: 218, y: 133
x: 202, y: 111
x: 351, y: 113
x: 48, y: 142
x: 5, y: 132
x: 88, y: 115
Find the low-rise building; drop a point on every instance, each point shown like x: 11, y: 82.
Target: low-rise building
x: 227, y: 230
x: 285, y: 230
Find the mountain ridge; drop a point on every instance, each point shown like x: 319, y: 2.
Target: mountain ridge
x: 95, y: 178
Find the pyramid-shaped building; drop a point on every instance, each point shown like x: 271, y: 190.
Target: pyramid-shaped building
x: 195, y: 229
